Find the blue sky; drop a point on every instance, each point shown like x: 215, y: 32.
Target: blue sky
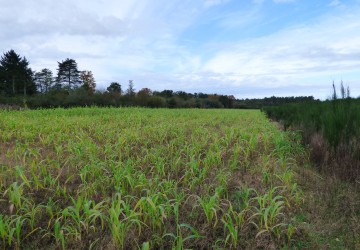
x: 248, y: 48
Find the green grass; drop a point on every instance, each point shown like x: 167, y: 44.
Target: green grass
x: 136, y: 178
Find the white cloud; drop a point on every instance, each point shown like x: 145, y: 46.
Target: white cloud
x: 103, y: 36
x: 329, y: 48
x: 335, y: 3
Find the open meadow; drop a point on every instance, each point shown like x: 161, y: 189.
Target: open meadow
x: 135, y: 178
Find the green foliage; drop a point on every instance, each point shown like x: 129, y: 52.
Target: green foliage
x: 88, y: 81
x: 114, y: 87
x: 336, y: 120
x: 16, y: 77
x: 68, y: 75
x: 44, y: 80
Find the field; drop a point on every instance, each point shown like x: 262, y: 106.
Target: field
x: 133, y: 178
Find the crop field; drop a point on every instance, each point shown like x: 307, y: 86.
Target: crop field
x: 135, y: 178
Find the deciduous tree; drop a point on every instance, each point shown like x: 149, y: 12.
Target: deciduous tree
x: 88, y: 80
x: 144, y: 93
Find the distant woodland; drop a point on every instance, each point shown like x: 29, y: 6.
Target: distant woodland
x: 70, y: 87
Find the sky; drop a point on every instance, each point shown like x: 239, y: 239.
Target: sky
x: 245, y: 48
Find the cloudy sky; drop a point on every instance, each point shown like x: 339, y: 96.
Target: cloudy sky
x: 248, y: 48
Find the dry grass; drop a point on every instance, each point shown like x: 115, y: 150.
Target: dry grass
x: 330, y: 216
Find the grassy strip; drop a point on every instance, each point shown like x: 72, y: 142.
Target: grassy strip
x: 330, y: 215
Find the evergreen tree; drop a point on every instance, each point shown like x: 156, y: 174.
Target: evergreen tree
x: 44, y: 80
x: 16, y: 77
x: 68, y: 74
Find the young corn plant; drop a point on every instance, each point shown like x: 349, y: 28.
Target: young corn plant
x: 20, y: 172
x: 19, y: 223
x: 210, y: 206
x: 231, y: 229
x: 59, y: 234
x: 234, y: 222
x: 4, y: 229
x: 15, y: 195
x: 121, y: 220
x: 75, y: 213
x: 178, y: 238
x: 154, y: 210
x: 242, y: 198
x: 92, y: 213
x: 297, y: 194
x: 268, y: 213
x: 286, y: 178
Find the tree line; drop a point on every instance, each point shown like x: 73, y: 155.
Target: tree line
x: 20, y: 85
x: 17, y: 78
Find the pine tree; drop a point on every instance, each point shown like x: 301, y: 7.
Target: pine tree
x: 68, y: 74
x: 16, y: 77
